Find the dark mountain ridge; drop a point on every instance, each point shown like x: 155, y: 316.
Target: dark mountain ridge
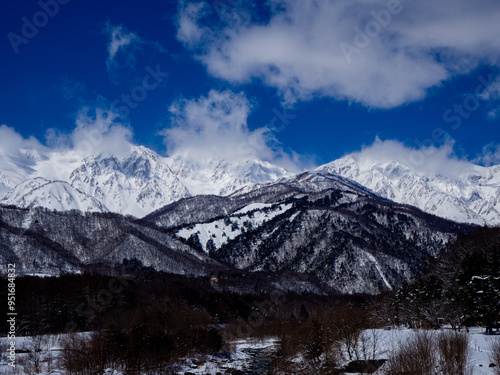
x: 347, y: 236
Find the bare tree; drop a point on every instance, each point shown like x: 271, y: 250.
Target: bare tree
x: 368, y: 345
x: 34, y: 346
x: 349, y: 323
x: 75, y: 358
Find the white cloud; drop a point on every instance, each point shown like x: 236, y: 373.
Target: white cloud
x: 493, y: 114
x: 121, y: 40
x: 426, y: 160
x: 96, y: 131
x: 11, y: 141
x: 216, y: 126
x: 299, y: 49
x: 490, y: 155
x: 491, y: 94
x: 99, y: 133
x: 187, y: 29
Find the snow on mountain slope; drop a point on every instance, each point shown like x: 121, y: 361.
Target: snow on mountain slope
x: 220, y: 231
x: 136, y: 184
x: 222, y: 177
x: 471, y: 195
x: 56, y: 195
x: 140, y: 181
x: 15, y: 168
x: 47, y: 242
x: 317, y: 224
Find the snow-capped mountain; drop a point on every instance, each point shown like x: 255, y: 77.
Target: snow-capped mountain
x: 140, y: 181
x: 338, y: 234
x: 469, y: 194
x: 58, y: 195
x: 136, y: 183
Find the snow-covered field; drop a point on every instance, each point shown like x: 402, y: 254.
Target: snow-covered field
x: 245, y: 355
x: 480, y: 351
x: 478, y: 345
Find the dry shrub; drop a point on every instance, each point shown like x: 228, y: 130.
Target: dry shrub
x: 415, y: 356
x: 84, y: 354
x: 427, y: 353
x: 323, y: 340
x: 453, y: 348
x: 310, y: 341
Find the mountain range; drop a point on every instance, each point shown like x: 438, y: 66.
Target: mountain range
x: 140, y: 181
x: 339, y: 235
x: 136, y: 183
x: 467, y: 193
x: 355, y: 225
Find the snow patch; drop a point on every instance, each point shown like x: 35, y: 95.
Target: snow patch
x: 219, y: 232
x: 252, y: 207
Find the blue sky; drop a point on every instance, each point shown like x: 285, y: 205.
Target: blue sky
x: 302, y: 82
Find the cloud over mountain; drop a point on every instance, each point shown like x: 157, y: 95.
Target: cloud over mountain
x: 216, y: 126
x: 426, y: 160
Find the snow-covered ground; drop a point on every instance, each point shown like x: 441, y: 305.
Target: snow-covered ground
x: 479, y: 345
x: 480, y: 351
x: 50, y: 346
x: 245, y: 355
x: 242, y: 356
